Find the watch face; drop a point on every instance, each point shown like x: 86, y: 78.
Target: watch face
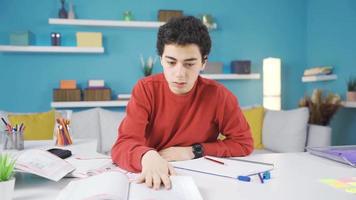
x: 197, y: 150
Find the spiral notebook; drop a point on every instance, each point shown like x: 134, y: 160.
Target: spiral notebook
x: 343, y: 154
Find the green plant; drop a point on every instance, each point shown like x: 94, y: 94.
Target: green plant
x: 7, y: 165
x: 351, y: 85
x: 321, y: 108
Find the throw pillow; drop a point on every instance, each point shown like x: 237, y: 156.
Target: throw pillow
x: 39, y: 126
x: 109, y: 123
x: 254, y: 117
x: 285, y: 131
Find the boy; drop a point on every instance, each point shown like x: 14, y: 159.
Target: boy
x: 178, y: 115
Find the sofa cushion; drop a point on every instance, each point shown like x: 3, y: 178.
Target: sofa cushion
x: 285, y: 131
x: 38, y: 126
x: 254, y: 117
x: 109, y: 123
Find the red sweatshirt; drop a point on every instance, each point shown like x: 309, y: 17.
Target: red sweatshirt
x: 156, y: 118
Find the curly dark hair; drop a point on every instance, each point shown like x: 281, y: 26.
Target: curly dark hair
x: 183, y: 31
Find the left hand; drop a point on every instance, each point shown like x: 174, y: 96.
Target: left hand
x: 177, y: 153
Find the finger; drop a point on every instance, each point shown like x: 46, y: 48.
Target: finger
x: 148, y: 181
x: 141, y: 178
x: 166, y: 181
x: 171, y: 169
x: 156, y: 182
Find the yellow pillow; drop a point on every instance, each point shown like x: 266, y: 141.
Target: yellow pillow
x: 254, y: 117
x: 38, y: 126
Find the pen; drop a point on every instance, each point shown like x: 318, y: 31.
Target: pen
x: 217, y: 161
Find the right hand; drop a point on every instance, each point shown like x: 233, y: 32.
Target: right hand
x: 155, y: 170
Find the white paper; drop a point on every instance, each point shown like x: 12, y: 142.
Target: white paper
x: 231, y: 168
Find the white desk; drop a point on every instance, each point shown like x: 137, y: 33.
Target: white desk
x: 296, y: 176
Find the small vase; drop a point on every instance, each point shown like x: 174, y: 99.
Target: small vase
x: 351, y: 96
x: 71, y: 13
x: 319, y: 136
x: 62, y: 13
x: 7, y: 189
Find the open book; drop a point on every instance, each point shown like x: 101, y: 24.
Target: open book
x: 115, y: 185
x: 344, y: 154
x: 43, y: 163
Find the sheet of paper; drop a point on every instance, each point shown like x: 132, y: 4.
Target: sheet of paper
x: 88, y: 167
x: 43, y: 163
x: 346, y: 184
x: 231, y: 168
x: 108, y: 185
x: 183, y: 188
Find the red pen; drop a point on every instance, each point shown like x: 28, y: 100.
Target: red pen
x: 217, y: 161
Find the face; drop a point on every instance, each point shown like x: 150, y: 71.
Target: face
x: 181, y: 66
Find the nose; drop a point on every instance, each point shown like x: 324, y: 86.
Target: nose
x: 180, y: 72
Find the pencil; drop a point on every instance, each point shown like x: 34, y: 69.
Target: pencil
x: 217, y: 161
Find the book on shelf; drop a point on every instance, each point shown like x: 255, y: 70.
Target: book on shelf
x: 116, y: 185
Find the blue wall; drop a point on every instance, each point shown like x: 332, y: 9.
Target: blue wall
x: 331, y: 40
x: 302, y: 33
x: 247, y: 30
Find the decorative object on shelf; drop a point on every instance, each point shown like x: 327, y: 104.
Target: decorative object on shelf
x: 66, y: 94
x: 241, y: 66
x: 68, y: 84
x: 323, y: 70
x: 96, y: 83
x: 147, y: 65
x: 7, y: 178
x: 351, y: 89
x: 272, y: 83
x: 22, y: 38
x: 213, y: 68
x: 62, y: 13
x: 165, y: 15
x: 208, y: 21
x: 89, y: 39
x: 321, y: 110
x: 71, y: 13
x: 128, y: 16
x: 55, y: 39
x: 97, y: 94
x: 123, y: 96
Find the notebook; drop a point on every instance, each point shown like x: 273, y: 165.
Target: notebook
x: 115, y: 185
x: 343, y: 154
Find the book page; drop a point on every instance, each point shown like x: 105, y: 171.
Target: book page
x: 88, y: 167
x: 107, y: 185
x: 43, y: 163
x: 230, y: 168
x: 183, y: 188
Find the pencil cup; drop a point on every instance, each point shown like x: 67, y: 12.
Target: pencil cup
x: 12, y: 140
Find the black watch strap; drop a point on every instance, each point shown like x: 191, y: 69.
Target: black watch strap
x: 198, y: 150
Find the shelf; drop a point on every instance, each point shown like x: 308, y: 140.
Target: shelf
x: 230, y: 76
x: 86, y: 104
x: 50, y: 49
x: 106, y: 23
x: 319, y: 78
x: 349, y: 104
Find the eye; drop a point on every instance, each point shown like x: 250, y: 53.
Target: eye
x: 171, y: 63
x: 189, y: 64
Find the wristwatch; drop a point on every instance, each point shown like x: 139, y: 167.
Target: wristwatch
x: 198, y: 150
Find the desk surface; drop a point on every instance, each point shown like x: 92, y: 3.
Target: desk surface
x: 296, y: 176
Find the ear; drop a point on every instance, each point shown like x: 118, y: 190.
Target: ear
x: 161, y: 61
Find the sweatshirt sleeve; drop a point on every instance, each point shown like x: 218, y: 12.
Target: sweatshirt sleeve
x: 131, y: 143
x: 233, y: 125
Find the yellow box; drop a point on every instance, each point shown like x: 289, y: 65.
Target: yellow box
x: 89, y: 39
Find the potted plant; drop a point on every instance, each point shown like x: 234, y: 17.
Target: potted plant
x: 321, y: 110
x: 147, y: 66
x: 7, y: 179
x: 351, y: 90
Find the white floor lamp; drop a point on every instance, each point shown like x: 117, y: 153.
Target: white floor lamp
x: 272, y: 83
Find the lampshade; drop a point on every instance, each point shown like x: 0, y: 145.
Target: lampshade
x: 272, y: 83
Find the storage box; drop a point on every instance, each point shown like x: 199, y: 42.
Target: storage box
x: 24, y: 38
x: 165, y: 15
x: 66, y: 95
x: 96, y: 83
x: 213, y: 68
x: 89, y: 39
x: 241, y: 66
x: 97, y: 94
x: 68, y: 84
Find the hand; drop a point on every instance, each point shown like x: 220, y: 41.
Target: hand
x: 155, y: 170
x: 177, y: 153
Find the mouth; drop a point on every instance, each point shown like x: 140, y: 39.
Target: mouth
x: 179, y: 84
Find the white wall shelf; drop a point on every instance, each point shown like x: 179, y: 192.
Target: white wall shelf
x: 106, y: 23
x: 231, y: 76
x: 349, y: 104
x: 88, y: 104
x: 319, y: 78
x: 50, y: 49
